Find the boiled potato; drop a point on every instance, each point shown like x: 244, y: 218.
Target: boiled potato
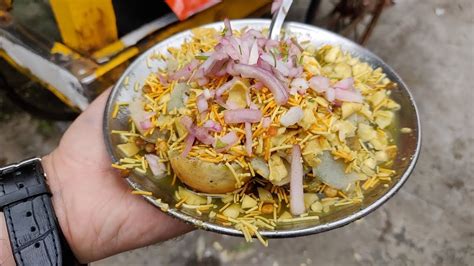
x: 205, y: 176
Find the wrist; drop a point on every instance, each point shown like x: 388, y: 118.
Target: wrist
x: 55, y: 185
x: 6, y: 254
x: 29, y: 230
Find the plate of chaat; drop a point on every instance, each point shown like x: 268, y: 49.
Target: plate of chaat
x: 235, y: 133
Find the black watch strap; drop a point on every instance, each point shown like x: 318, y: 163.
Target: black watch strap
x: 32, y: 226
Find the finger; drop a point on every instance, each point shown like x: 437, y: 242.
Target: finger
x: 97, y: 106
x: 84, y: 140
x: 160, y: 226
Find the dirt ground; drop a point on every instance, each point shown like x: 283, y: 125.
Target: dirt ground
x: 429, y: 222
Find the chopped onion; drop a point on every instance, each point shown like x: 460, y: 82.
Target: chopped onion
x: 252, y: 105
x: 283, y: 69
x: 146, y: 124
x: 345, y: 84
x: 300, y: 84
x: 269, y: 44
x: 230, y: 139
x: 258, y: 85
x: 225, y: 87
x: 283, y: 80
x: 244, y: 50
x: 295, y: 72
x: 231, y: 105
x: 279, y: 92
x: 222, y: 71
x: 214, y: 63
x: 221, y: 90
x: 266, y: 122
x: 230, y: 69
x: 248, y: 138
x: 208, y: 94
x: 187, y: 122
x: 294, y: 53
x: 347, y: 96
x: 293, y: 91
x: 232, y: 49
x: 296, y: 182
x: 199, y: 74
x: 188, y: 144
x: 185, y: 72
x: 212, y: 126
x: 202, y: 134
x: 228, y: 27
x: 253, y: 58
x: 202, y: 81
x: 201, y: 103
x: 276, y: 63
x: 269, y: 59
x: 292, y: 116
x: 292, y: 72
x: 253, y: 34
x: 319, y: 83
x: 264, y: 65
x: 242, y: 116
x: 262, y: 42
x: 294, y: 42
x: 163, y: 79
x: 330, y: 94
x: 157, y: 168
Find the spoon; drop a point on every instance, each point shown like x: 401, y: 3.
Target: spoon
x: 278, y: 19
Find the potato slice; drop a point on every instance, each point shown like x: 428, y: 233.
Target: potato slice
x: 190, y: 197
x: 248, y: 202
x: 128, y: 149
x: 279, y: 171
x: 205, y: 176
x: 309, y: 199
x: 233, y: 211
x: 237, y: 94
x: 265, y: 195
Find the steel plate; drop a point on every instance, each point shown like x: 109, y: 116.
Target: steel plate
x: 409, y: 144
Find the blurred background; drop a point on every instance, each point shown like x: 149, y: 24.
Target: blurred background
x: 58, y: 55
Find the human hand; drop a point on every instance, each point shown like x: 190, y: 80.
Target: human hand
x: 96, y: 211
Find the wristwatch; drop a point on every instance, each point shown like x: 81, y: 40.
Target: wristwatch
x: 25, y: 199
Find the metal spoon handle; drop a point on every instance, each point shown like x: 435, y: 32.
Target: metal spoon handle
x: 278, y: 19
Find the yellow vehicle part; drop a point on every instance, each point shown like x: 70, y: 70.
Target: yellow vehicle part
x: 110, y: 49
x: 116, y: 61
x: 27, y: 73
x: 59, y: 48
x: 85, y: 25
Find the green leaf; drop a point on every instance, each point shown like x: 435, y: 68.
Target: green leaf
x: 220, y: 144
x: 224, y: 31
x: 300, y: 62
x: 201, y: 57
